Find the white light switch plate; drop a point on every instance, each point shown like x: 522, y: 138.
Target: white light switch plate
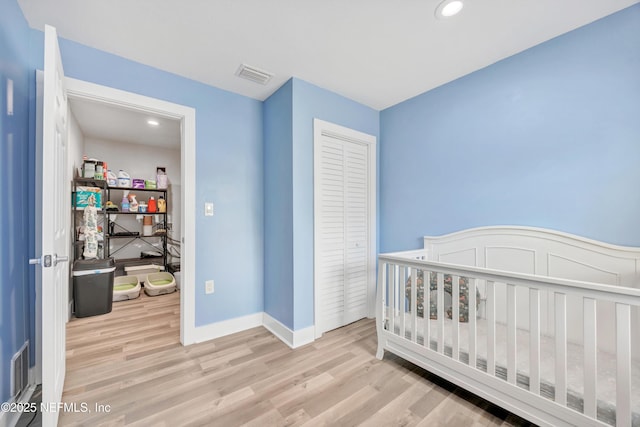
x: 208, y: 209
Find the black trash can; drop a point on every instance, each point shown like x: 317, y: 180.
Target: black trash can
x: 93, y: 286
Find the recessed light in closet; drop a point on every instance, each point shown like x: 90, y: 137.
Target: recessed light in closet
x: 449, y: 8
x: 151, y: 122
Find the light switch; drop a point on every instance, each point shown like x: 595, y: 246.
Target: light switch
x: 208, y: 209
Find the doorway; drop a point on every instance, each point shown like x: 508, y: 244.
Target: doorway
x: 81, y: 91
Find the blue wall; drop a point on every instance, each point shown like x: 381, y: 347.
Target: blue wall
x: 15, y: 215
x: 311, y: 102
x: 229, y: 172
x: 549, y: 137
x: 278, y: 205
x: 289, y: 115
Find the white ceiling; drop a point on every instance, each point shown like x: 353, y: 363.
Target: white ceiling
x: 376, y: 52
x: 110, y: 123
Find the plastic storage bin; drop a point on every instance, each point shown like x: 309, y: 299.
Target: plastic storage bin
x: 159, y: 284
x: 93, y: 286
x: 126, y: 288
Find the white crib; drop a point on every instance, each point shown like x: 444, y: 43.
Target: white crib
x: 552, y: 331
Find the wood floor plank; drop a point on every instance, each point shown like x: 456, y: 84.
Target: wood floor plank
x: 295, y: 373
x: 423, y: 407
x: 295, y: 391
x: 329, y: 416
x: 396, y: 412
x: 385, y: 393
x: 132, y: 360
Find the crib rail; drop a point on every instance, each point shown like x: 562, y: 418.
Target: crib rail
x: 491, y: 299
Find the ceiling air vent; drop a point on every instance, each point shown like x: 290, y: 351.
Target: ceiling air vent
x: 254, y: 74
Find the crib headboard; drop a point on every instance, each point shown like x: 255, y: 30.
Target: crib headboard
x: 538, y: 251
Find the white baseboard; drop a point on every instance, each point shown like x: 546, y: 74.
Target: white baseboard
x: 304, y: 336
x: 7, y: 419
x: 291, y: 338
x: 34, y: 377
x: 10, y: 418
x: 227, y: 327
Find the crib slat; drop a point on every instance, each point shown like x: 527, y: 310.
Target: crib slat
x: 472, y: 323
x: 382, y: 289
x: 491, y: 329
x: 455, y: 317
x: 392, y: 271
x: 440, y: 313
x: 590, y: 357
x: 402, y: 300
x: 561, y: 348
x: 534, y: 341
x: 414, y: 305
x: 426, y: 305
x: 623, y: 365
x: 511, y: 334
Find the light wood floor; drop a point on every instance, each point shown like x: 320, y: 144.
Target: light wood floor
x: 132, y: 360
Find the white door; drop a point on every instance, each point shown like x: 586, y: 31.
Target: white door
x: 343, y: 223
x: 54, y: 221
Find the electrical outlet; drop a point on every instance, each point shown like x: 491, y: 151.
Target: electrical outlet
x: 208, y: 287
x: 208, y: 209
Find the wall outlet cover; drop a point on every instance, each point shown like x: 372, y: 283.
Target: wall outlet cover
x: 208, y: 287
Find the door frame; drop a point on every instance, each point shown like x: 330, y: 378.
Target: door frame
x: 80, y: 89
x: 320, y: 128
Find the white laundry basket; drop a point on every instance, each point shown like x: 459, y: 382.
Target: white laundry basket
x: 159, y: 284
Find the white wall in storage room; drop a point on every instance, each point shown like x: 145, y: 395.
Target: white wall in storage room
x: 75, y: 146
x: 140, y: 161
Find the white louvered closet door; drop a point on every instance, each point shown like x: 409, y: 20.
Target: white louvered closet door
x: 343, y: 224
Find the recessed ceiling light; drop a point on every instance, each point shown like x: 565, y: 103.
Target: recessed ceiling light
x: 449, y: 8
x: 152, y: 122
